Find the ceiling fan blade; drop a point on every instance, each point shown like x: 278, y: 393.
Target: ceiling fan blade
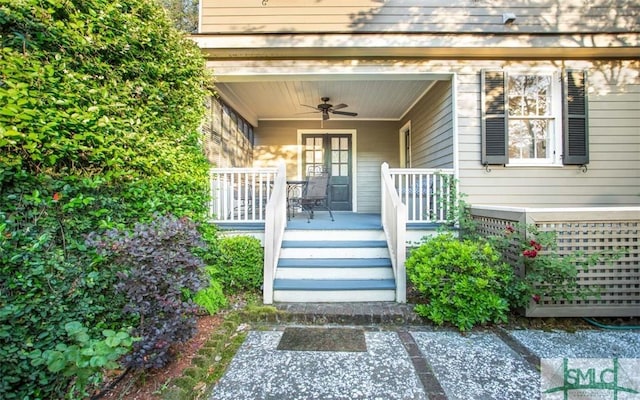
x: 308, y: 112
x: 351, y: 114
x: 305, y: 105
x: 339, y: 106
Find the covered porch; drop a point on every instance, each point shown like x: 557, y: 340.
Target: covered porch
x: 355, y: 256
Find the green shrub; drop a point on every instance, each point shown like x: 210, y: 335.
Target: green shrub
x: 47, y: 279
x: 100, y: 105
x: 463, y: 281
x: 86, y: 359
x: 211, y: 298
x: 158, y: 265
x: 239, y: 264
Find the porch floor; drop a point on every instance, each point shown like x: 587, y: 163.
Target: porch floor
x: 348, y: 220
x: 343, y: 220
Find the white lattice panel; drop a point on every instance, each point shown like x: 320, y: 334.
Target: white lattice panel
x: 590, y: 232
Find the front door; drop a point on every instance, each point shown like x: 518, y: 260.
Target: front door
x: 331, y: 152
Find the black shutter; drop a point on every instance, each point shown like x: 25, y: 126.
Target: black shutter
x: 575, y: 119
x: 494, y: 118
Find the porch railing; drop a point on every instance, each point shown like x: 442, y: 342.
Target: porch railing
x: 394, y: 225
x: 429, y: 194
x: 240, y: 194
x: 275, y: 224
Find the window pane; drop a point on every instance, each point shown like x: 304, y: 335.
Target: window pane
x: 335, y: 143
x: 335, y: 170
x: 529, y: 139
x: 344, y: 143
x: 344, y: 171
x: 529, y: 95
x: 344, y: 156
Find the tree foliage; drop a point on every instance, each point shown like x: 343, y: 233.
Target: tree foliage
x: 100, y: 104
x: 183, y: 13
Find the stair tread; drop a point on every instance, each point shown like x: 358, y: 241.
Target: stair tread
x: 334, y: 284
x: 333, y: 243
x: 334, y: 263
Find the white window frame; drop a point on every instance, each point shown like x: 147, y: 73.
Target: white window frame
x: 555, y: 118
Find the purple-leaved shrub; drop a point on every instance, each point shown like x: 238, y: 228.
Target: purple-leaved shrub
x: 159, y: 267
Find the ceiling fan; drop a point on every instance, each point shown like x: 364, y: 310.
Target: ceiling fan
x: 325, y: 108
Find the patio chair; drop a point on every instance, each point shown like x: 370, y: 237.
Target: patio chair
x: 295, y: 189
x: 316, y: 194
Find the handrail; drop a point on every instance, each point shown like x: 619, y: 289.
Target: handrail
x: 394, y: 223
x: 274, y: 226
x: 428, y: 193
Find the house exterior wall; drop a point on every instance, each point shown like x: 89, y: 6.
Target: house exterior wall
x: 432, y: 128
x: 376, y: 142
x: 458, y: 37
x: 612, y: 176
x: 456, y: 29
x: 257, y: 16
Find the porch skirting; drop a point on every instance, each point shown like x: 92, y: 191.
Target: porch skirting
x: 590, y: 230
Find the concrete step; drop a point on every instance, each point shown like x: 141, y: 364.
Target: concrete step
x: 333, y: 290
x: 334, y: 244
x: 334, y: 249
x: 334, y: 262
x: 313, y: 253
x: 334, y: 268
x: 315, y: 235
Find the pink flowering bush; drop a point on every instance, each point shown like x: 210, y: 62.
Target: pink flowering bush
x: 548, y: 274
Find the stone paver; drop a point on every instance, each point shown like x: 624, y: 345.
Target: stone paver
x: 582, y: 344
x: 408, y: 359
x: 259, y: 371
x: 478, y: 366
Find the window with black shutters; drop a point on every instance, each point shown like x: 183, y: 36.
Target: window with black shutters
x: 534, y: 118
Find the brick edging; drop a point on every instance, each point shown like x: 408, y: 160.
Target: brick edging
x: 432, y: 387
x: 518, y: 347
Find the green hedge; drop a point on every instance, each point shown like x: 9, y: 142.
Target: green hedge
x: 100, y: 104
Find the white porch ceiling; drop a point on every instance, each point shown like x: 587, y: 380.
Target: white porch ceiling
x: 376, y: 97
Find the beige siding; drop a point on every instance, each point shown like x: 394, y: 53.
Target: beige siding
x: 376, y: 142
x: 432, y: 128
x: 459, y: 16
x: 613, y: 174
